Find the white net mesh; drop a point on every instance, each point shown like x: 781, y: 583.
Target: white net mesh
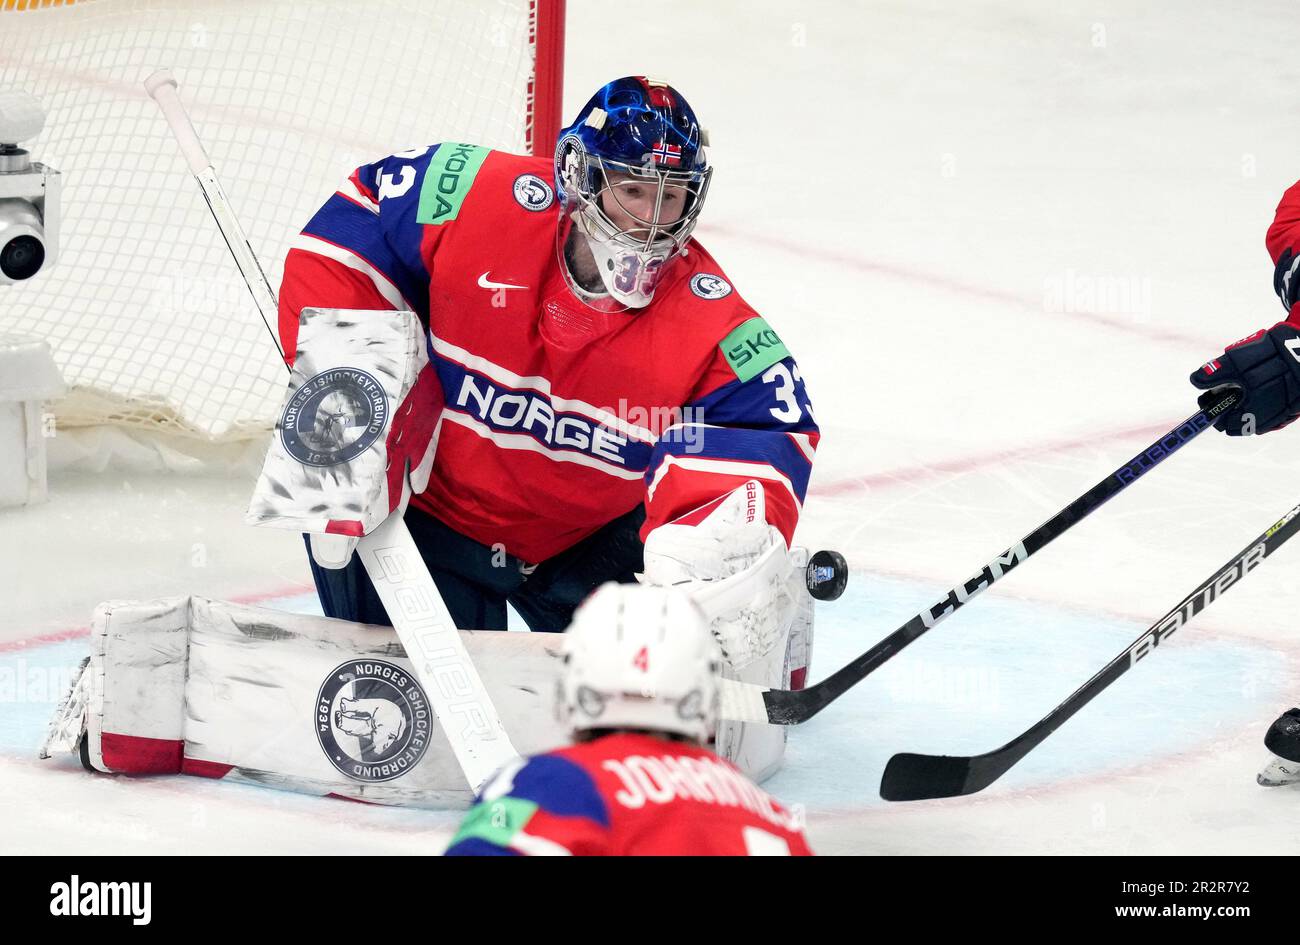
x: 147, y: 315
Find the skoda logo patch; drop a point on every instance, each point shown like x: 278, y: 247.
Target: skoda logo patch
x: 533, y: 193
x: 372, y: 720
x: 708, y: 286
x: 334, y: 417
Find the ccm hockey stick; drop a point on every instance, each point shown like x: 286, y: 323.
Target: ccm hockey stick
x: 419, y: 615
x: 786, y: 707
x: 910, y: 777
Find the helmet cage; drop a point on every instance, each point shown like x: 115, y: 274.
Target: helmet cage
x: 631, y: 261
x: 652, y: 233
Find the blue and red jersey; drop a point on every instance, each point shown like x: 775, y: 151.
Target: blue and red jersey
x: 555, y: 418
x: 627, y: 794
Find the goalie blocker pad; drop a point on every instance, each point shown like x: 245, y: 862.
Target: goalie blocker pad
x: 305, y: 703
x: 360, y: 410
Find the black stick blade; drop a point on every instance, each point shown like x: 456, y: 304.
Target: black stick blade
x: 793, y: 707
x: 911, y: 777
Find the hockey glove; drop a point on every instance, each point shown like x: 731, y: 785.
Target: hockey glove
x: 1266, y: 366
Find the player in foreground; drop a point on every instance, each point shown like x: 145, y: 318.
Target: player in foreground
x: 599, y: 382
x: 639, y: 692
x: 1266, y: 365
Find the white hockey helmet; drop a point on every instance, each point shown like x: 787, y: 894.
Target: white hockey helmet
x: 640, y: 657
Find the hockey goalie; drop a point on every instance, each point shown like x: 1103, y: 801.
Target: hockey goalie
x: 600, y: 378
x: 529, y: 379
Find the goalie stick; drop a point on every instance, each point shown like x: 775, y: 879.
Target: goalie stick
x: 786, y: 707
x: 419, y: 616
x: 912, y: 777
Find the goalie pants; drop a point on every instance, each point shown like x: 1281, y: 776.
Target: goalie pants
x: 477, y: 581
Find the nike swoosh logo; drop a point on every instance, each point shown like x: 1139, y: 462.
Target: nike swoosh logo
x: 485, y: 283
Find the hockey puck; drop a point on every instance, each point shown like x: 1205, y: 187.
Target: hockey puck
x: 827, y: 575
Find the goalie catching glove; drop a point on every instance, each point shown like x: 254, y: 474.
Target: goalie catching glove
x: 736, y: 568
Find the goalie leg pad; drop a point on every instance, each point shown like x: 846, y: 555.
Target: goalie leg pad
x: 189, y: 685
x: 758, y: 748
x: 798, y: 654
x: 329, y: 707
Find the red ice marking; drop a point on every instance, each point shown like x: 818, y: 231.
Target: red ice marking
x: 963, y: 464
x: 74, y: 633
x: 937, y: 280
x: 58, y: 636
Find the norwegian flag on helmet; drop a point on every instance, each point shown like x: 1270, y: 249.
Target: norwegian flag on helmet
x: 665, y: 153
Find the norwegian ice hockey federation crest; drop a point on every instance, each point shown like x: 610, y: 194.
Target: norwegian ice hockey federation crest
x: 709, y: 286
x: 334, y: 417
x: 533, y: 193
x: 372, y: 720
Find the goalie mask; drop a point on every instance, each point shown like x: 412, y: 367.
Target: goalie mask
x: 640, y: 657
x: 631, y: 176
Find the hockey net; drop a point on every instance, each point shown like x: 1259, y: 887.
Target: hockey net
x: 148, y: 318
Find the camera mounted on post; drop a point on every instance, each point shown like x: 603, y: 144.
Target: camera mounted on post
x: 29, y: 193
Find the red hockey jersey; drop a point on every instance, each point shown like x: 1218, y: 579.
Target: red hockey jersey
x: 627, y: 795
x: 1283, y: 242
x: 556, y: 419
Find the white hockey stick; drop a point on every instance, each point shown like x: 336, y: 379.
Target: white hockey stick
x: 434, y: 647
x: 418, y: 612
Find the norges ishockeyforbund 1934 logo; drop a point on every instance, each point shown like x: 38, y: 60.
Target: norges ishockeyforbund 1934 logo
x: 334, y: 417
x: 707, y: 285
x: 533, y: 193
x: 372, y: 720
